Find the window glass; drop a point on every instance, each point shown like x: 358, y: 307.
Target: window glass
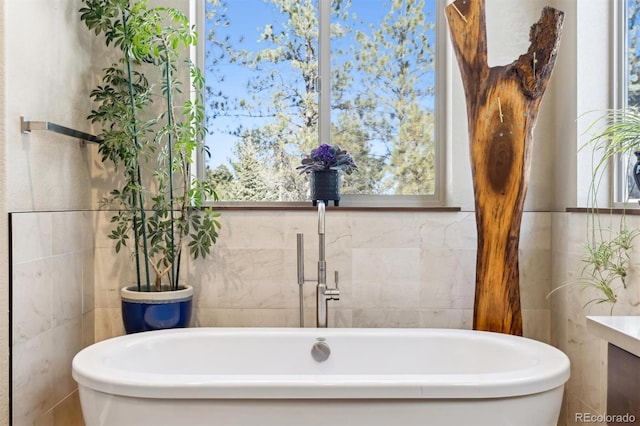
x: 630, y: 71
x: 261, y: 62
x: 633, y: 53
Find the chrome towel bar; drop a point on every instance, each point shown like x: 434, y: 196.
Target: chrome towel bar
x: 27, y: 126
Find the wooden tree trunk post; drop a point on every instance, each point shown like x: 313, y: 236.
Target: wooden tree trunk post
x: 502, y: 108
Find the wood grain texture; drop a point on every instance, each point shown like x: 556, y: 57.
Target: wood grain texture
x: 502, y: 108
x: 623, y: 385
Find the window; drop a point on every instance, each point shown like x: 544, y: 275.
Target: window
x: 268, y: 103
x: 628, y: 89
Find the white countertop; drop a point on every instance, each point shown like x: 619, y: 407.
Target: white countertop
x: 622, y: 331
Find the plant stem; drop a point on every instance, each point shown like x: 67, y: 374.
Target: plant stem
x: 138, y: 172
x: 170, y: 121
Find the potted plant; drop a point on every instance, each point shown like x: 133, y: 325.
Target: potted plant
x: 324, y: 164
x: 150, y: 131
x: 607, y: 258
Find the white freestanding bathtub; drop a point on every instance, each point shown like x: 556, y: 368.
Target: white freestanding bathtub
x: 263, y: 377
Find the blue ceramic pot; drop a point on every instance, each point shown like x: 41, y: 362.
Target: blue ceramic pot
x: 155, y: 310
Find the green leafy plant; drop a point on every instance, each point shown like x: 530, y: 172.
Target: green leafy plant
x: 151, y: 131
x: 607, y: 263
x: 607, y: 251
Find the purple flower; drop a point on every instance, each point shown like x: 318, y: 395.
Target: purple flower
x: 324, y: 154
x: 327, y: 157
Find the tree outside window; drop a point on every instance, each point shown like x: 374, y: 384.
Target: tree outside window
x: 262, y: 100
x: 630, y: 78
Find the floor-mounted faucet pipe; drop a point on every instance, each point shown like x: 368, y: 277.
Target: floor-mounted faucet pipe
x: 323, y: 293
x: 300, y: 258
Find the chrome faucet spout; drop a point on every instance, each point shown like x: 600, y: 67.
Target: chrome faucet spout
x: 322, y: 264
x: 323, y: 293
x: 321, y: 214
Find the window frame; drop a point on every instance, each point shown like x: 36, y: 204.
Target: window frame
x: 619, y: 70
x: 443, y: 63
x: 619, y: 95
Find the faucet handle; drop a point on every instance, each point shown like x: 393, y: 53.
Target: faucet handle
x: 333, y: 293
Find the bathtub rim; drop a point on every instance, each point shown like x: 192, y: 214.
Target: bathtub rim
x: 551, y: 372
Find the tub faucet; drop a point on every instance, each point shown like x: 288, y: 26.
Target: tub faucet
x: 323, y: 293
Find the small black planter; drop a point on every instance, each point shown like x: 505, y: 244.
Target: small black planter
x: 325, y: 186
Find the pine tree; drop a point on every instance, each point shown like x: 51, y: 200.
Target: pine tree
x: 251, y: 177
x: 397, y: 61
x: 380, y: 94
x: 221, y: 180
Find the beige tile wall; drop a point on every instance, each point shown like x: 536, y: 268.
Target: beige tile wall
x: 587, y: 389
x: 396, y: 270
x: 52, y: 313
